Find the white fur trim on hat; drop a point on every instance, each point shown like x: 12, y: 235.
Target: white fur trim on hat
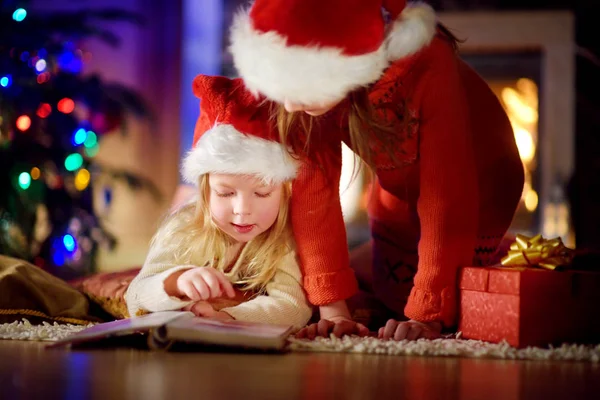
x: 300, y: 74
x: 223, y: 149
x: 310, y: 75
x: 411, y: 31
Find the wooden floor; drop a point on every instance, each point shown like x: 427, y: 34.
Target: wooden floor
x: 28, y: 370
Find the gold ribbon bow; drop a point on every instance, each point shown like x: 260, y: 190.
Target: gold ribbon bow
x: 537, y: 251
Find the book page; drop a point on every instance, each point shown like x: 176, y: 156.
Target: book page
x: 226, y: 333
x: 124, y: 326
x: 232, y: 327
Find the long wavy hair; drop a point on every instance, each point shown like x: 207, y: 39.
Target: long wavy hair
x: 365, y: 127
x: 194, y: 239
x: 361, y: 116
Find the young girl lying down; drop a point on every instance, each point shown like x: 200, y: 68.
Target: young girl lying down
x: 234, y: 240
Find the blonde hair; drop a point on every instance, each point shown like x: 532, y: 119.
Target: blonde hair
x: 195, y: 239
x: 295, y: 129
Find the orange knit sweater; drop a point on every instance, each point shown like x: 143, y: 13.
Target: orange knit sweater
x: 451, y: 196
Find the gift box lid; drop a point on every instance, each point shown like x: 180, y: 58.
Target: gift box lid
x: 498, y: 279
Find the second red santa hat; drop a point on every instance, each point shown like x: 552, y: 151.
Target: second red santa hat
x: 234, y: 135
x: 317, y: 51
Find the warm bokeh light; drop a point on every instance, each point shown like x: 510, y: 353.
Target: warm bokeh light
x: 520, y: 100
x: 82, y: 179
x: 44, y: 110
x: 525, y: 144
x: 43, y: 77
x: 520, y: 109
x: 35, y: 173
x: 531, y: 200
x: 23, y: 123
x: 530, y: 92
x: 66, y: 105
x: 350, y: 184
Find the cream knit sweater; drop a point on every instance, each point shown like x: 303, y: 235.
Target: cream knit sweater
x: 284, y: 302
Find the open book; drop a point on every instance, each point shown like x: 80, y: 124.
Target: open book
x: 167, y: 327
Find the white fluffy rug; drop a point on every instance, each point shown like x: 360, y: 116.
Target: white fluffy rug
x: 23, y: 330
x: 448, y: 347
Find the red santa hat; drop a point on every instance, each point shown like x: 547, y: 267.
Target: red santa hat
x: 315, y: 51
x: 234, y: 135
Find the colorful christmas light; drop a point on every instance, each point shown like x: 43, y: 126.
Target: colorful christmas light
x: 23, y: 123
x: 19, y: 14
x: 66, y: 105
x: 24, y: 180
x: 73, y: 162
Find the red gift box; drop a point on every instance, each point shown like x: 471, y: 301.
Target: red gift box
x: 529, y: 306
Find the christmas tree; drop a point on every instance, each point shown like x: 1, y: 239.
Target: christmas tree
x: 51, y: 118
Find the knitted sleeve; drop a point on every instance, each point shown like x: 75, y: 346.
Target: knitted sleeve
x: 448, y: 199
x: 320, y: 232
x: 146, y: 291
x: 284, y: 302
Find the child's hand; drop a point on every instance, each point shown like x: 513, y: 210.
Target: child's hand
x: 204, y: 309
x: 338, y: 326
x: 203, y: 283
x: 410, y: 330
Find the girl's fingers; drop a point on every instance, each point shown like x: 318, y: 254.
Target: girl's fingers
x: 349, y: 328
x: 325, y: 327
x: 226, y: 286
x: 414, y: 331
x: 401, y: 331
x: 202, y: 288
x: 203, y: 309
x: 311, y: 331
x: 301, y: 334
x: 213, y: 284
x: 362, y: 330
x: 190, y: 291
x: 343, y: 328
x: 430, y: 334
x: 389, y: 329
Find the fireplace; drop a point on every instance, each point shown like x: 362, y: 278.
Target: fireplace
x: 528, y: 60
x: 515, y: 79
